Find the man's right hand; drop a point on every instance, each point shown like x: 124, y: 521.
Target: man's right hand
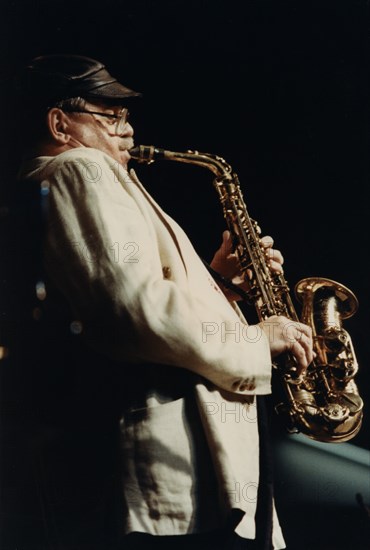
x: 286, y: 335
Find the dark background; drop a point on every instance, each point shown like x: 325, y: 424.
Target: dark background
x: 279, y: 89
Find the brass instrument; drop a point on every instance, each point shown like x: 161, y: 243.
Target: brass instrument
x: 324, y: 403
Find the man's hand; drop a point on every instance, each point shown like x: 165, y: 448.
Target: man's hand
x: 286, y: 335
x: 225, y: 262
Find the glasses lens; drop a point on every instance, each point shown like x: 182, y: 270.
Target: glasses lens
x: 121, y: 123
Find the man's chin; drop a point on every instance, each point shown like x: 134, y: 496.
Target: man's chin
x: 126, y: 144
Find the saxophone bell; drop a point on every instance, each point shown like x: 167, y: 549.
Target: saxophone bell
x: 337, y: 412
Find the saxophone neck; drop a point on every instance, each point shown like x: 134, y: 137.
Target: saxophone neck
x: 147, y: 154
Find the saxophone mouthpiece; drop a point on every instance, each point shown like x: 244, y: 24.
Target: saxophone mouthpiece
x: 146, y: 153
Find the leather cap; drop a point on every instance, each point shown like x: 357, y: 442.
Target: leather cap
x: 52, y: 78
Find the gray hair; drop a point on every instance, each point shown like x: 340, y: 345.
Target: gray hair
x: 71, y: 104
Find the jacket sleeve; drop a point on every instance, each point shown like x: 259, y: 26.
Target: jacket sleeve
x: 101, y: 255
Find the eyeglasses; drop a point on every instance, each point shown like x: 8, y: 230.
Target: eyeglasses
x: 119, y: 120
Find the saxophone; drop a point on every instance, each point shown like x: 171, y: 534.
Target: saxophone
x: 324, y: 403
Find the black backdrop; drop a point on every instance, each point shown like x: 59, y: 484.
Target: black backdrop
x: 278, y: 88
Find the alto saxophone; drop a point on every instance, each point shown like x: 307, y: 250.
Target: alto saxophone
x: 324, y: 403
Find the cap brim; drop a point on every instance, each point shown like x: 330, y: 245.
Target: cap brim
x: 112, y: 90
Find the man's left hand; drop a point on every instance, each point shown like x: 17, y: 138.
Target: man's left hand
x: 226, y: 263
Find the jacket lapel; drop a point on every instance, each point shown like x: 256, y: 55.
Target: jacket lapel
x: 165, y: 219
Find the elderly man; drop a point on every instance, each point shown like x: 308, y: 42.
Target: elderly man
x: 146, y: 419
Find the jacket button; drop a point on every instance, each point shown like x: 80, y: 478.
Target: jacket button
x: 247, y: 385
x: 166, y: 272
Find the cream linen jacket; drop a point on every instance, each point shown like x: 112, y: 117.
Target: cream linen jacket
x: 118, y: 258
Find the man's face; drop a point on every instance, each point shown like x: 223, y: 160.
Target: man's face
x: 92, y: 130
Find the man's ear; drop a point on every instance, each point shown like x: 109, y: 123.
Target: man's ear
x: 58, y: 125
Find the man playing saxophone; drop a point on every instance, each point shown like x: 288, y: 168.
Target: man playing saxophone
x: 146, y: 378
